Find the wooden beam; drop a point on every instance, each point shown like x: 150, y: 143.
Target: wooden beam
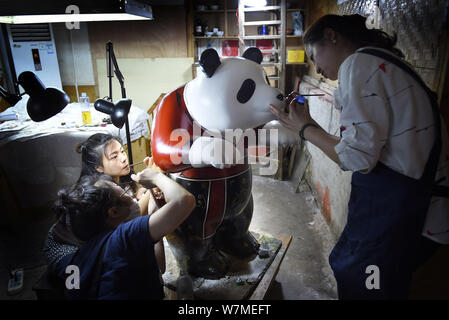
x: 272, y: 271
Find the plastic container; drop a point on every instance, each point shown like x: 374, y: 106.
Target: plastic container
x: 85, y: 109
x: 295, y: 56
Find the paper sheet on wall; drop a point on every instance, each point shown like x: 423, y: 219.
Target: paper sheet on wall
x: 145, y: 79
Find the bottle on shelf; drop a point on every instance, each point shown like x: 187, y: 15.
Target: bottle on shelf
x: 198, y: 28
x: 85, y: 109
x: 205, y: 28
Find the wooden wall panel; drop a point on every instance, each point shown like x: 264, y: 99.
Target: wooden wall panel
x: 89, y: 90
x: 165, y: 36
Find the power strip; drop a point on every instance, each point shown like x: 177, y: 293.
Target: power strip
x: 15, y: 283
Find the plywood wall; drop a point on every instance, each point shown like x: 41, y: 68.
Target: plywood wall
x: 165, y: 36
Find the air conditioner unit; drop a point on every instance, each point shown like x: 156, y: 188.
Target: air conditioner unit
x: 33, y: 49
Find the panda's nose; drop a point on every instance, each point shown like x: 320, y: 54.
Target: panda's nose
x: 280, y: 97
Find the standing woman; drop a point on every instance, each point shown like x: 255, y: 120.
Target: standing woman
x: 391, y: 139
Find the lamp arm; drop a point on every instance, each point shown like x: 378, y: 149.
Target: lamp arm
x: 117, y: 72
x: 12, y: 99
x: 111, y: 58
x: 3, y: 92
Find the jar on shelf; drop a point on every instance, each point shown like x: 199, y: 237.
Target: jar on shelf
x: 198, y: 32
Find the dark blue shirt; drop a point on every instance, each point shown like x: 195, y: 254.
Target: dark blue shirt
x: 130, y: 269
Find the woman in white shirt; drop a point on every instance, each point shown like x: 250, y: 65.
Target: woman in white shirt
x: 391, y: 138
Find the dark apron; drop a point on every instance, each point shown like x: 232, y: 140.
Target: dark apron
x: 386, y: 214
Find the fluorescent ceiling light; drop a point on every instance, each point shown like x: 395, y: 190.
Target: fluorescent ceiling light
x: 55, y: 18
x: 18, y: 12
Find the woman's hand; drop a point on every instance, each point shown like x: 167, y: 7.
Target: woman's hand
x: 149, y: 162
x: 146, y: 178
x: 295, y: 116
x: 140, y: 193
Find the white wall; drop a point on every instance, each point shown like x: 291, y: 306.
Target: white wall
x: 74, y: 55
x: 332, y: 185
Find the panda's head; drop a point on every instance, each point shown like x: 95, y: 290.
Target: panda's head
x: 231, y: 93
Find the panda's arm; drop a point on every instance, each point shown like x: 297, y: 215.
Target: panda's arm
x: 171, y: 133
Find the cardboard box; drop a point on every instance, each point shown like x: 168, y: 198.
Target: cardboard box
x: 295, y: 56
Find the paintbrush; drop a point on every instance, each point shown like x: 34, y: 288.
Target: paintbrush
x: 134, y: 164
x: 308, y: 95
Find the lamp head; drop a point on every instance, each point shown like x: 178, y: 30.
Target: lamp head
x: 118, y: 111
x: 43, y: 103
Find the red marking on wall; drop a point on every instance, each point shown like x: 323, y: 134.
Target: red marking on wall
x: 326, y: 202
x: 382, y: 67
x: 327, y: 206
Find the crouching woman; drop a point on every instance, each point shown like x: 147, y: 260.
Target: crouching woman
x: 117, y: 259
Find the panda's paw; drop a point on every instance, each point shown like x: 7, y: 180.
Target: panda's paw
x: 219, y: 153
x: 286, y: 137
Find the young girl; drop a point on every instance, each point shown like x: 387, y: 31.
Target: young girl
x: 104, y: 154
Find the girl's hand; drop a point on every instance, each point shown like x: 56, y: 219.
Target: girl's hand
x: 140, y: 193
x: 295, y: 116
x: 149, y: 162
x: 146, y: 178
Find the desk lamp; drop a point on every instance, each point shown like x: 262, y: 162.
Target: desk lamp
x: 118, y: 111
x: 43, y: 103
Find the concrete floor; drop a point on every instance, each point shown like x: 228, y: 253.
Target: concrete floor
x: 303, y: 274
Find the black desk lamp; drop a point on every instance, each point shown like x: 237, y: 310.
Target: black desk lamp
x: 118, y: 111
x: 43, y: 103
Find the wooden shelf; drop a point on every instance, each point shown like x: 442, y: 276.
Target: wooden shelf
x: 260, y: 23
x: 293, y: 36
x: 271, y: 64
x: 216, y: 37
x: 261, y: 37
x: 266, y: 8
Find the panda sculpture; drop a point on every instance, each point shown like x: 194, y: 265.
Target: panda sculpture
x: 232, y: 93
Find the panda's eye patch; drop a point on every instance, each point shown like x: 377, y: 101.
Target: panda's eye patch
x: 246, y: 91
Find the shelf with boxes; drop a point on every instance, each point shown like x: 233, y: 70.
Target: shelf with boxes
x: 213, y: 25
x: 229, y: 26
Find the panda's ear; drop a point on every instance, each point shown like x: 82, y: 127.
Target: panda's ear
x: 253, y: 54
x: 209, y: 61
